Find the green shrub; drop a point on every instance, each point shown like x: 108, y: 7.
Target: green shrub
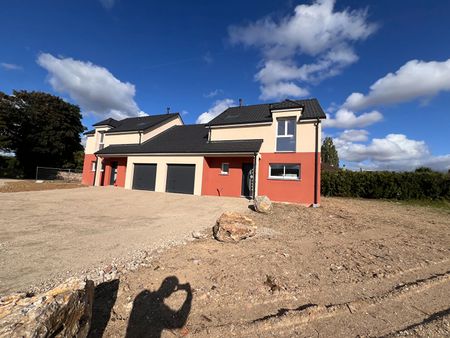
x: 421, y: 184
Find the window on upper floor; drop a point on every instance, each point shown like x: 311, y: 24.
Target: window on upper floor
x: 286, y: 134
x: 101, y: 144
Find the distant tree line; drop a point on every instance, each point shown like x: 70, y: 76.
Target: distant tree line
x: 40, y: 130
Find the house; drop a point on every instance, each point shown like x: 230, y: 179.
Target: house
x: 264, y: 149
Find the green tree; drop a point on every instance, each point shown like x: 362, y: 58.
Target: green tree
x: 41, y: 129
x: 329, y: 153
x: 423, y: 170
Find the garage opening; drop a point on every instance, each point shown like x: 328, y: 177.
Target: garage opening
x: 180, y: 178
x: 144, y: 177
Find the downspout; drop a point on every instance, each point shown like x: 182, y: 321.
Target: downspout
x: 96, y: 167
x: 254, y: 175
x: 316, y: 164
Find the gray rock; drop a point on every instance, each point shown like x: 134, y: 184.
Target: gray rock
x: 232, y: 227
x: 64, y: 311
x: 262, y: 204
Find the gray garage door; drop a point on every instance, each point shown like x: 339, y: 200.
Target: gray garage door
x: 144, y: 177
x: 180, y: 178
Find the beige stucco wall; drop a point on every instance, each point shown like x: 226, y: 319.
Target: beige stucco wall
x: 119, y: 138
x: 161, y: 169
x: 305, y: 141
x: 153, y: 132
x: 92, y: 141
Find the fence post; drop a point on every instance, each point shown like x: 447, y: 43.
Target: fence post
x: 37, y: 169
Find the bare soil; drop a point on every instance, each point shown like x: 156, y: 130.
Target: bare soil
x: 31, y: 185
x: 350, y: 268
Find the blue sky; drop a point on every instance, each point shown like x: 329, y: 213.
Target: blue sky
x: 381, y: 69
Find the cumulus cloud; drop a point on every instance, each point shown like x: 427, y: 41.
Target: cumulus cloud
x: 415, y: 79
x: 354, y: 135
x: 393, y: 152
x: 219, y: 107
x: 346, y: 119
x: 92, y: 87
x: 314, y: 30
x: 10, y: 66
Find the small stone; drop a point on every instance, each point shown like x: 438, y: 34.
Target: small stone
x: 262, y: 204
x: 197, y: 234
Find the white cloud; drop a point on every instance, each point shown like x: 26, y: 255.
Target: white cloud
x: 415, y: 79
x: 213, y: 93
x: 354, y: 135
x: 314, y: 30
x: 218, y: 108
x: 345, y: 118
x: 93, y: 87
x: 108, y: 4
x: 281, y: 90
x: 394, y: 152
x: 10, y: 66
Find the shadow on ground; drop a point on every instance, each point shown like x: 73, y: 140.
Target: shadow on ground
x: 149, y: 317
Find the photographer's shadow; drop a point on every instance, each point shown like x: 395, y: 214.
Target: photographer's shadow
x: 150, y: 315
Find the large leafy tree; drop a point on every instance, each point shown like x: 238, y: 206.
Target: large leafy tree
x: 329, y: 153
x: 41, y: 129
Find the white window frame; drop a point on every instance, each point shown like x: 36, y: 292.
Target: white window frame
x: 101, y: 143
x: 93, y: 165
x: 285, y: 178
x: 286, y: 135
x: 222, y: 172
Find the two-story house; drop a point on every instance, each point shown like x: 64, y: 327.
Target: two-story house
x: 265, y: 149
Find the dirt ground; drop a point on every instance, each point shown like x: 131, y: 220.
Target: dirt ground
x: 350, y: 268
x: 31, y: 185
x: 50, y: 235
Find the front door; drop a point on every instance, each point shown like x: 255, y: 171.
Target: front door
x: 247, y: 179
x: 113, y: 177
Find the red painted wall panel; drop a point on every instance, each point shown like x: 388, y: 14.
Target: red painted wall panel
x: 88, y: 175
x: 296, y: 191
x: 121, y: 171
x: 216, y: 184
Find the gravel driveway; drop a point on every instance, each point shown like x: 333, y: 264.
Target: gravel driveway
x: 46, y: 233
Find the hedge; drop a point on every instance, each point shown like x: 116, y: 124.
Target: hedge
x: 386, y: 184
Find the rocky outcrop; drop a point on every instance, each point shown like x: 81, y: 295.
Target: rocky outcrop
x: 262, y: 204
x: 232, y: 227
x: 64, y: 311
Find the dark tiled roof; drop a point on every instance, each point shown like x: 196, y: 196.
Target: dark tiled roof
x: 184, y: 139
x: 108, y: 122
x: 286, y: 104
x: 259, y: 113
x: 89, y: 132
x: 141, y: 123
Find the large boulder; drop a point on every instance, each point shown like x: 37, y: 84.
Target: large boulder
x: 262, y: 204
x: 64, y: 311
x: 232, y: 227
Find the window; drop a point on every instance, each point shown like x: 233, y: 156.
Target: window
x: 225, y: 169
x: 93, y: 165
x: 286, y: 134
x: 102, y: 138
x: 284, y: 171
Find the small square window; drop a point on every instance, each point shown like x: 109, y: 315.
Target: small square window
x: 225, y: 169
x: 93, y: 165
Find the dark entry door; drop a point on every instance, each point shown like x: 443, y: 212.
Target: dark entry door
x: 247, y: 179
x: 113, y: 177
x: 180, y: 178
x: 144, y: 177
